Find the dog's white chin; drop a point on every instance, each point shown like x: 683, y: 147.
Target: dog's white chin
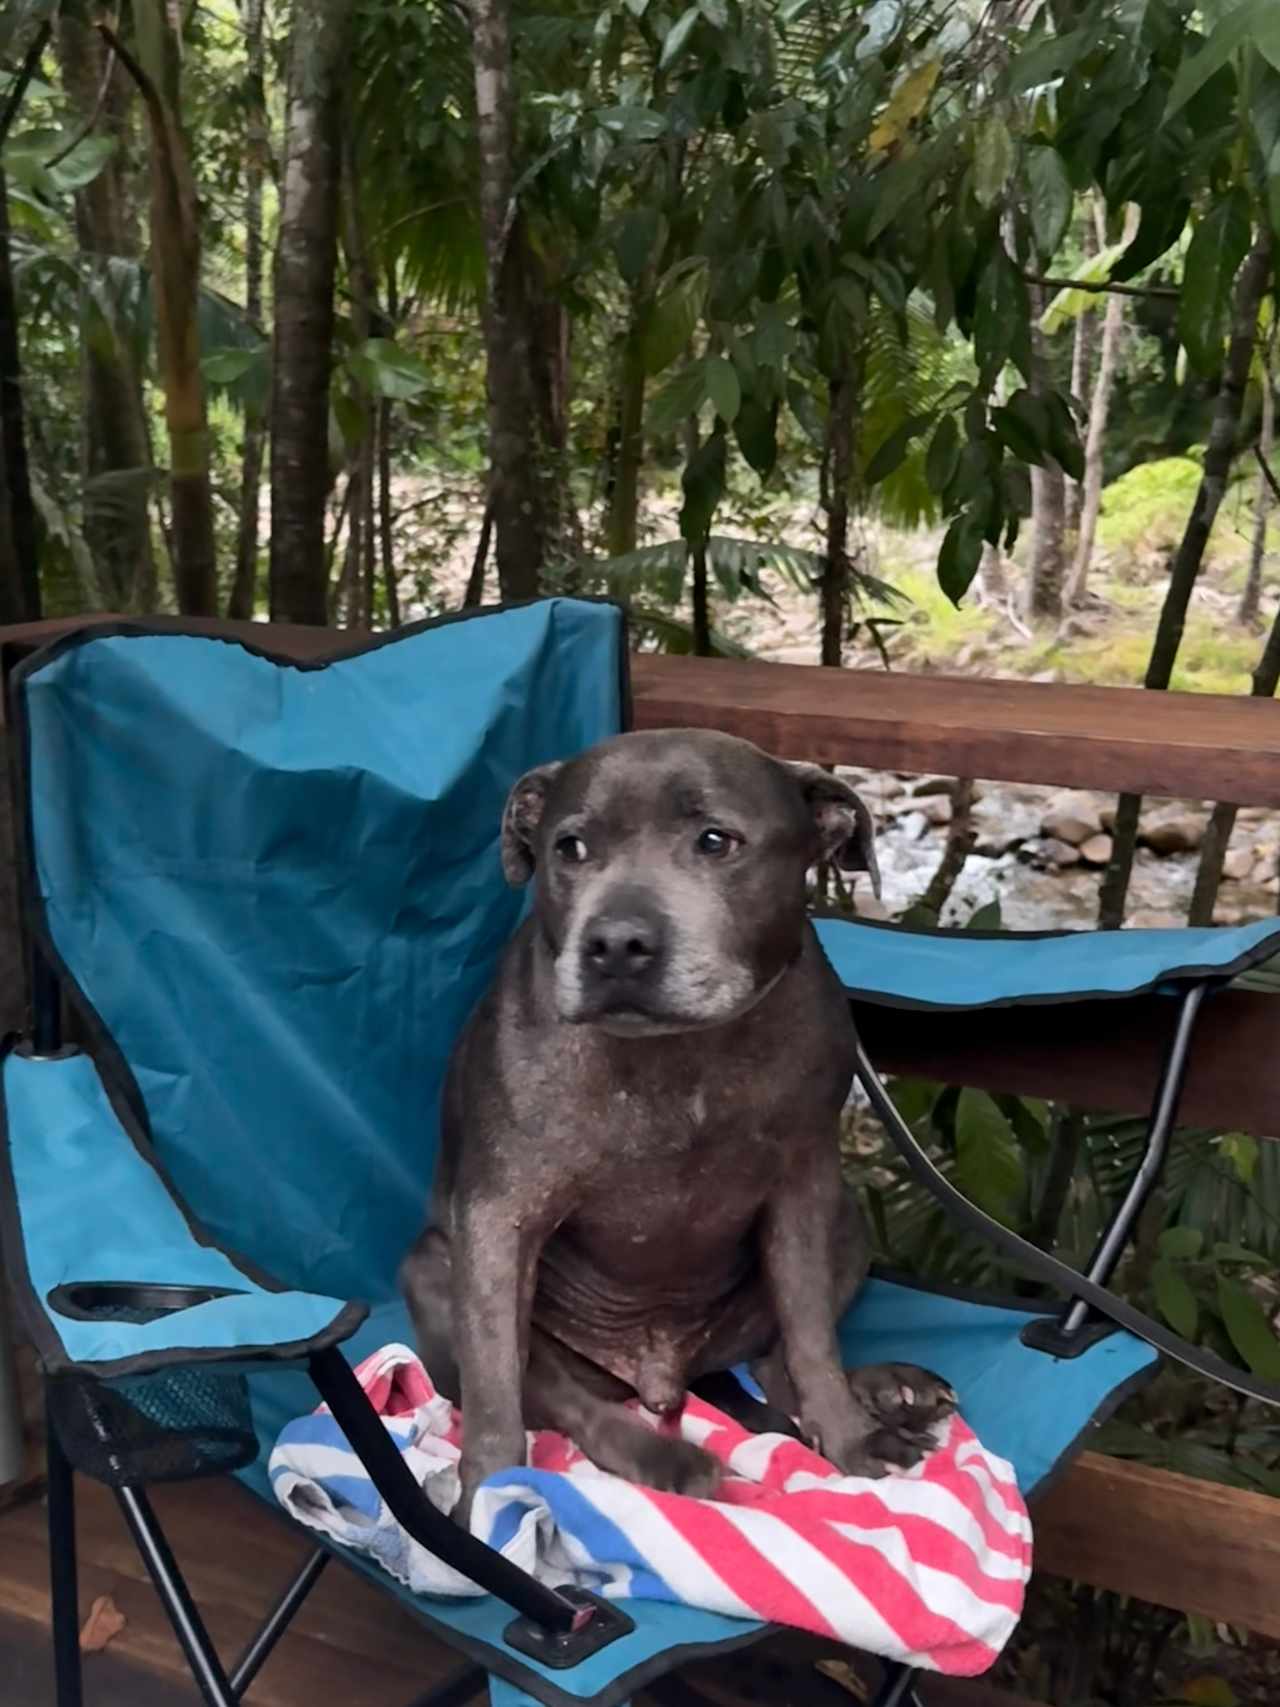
x: 643, y: 1022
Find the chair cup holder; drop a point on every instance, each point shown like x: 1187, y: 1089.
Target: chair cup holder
x: 168, y: 1425
x: 133, y: 1301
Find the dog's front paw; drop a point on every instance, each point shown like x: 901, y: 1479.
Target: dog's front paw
x: 904, y: 1406
x: 483, y: 1456
x: 671, y: 1465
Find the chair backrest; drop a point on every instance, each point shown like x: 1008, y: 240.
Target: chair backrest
x: 278, y: 891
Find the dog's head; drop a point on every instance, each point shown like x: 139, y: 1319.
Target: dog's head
x: 671, y: 872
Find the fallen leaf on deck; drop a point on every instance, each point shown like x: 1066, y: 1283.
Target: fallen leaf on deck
x: 103, y: 1625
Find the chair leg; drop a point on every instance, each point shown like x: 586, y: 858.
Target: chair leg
x: 63, y: 1583
x: 897, y: 1689
x: 188, y: 1626
x: 277, y: 1622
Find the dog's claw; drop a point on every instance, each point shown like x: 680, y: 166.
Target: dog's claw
x: 904, y: 1405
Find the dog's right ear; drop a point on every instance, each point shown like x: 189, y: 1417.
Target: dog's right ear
x: 520, y: 819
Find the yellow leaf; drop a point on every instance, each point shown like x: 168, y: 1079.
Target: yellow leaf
x: 103, y: 1625
x: 907, y: 102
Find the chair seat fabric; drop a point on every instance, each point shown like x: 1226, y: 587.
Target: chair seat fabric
x: 898, y: 966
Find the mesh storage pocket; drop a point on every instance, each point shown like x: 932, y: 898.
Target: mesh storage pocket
x: 168, y: 1427
x: 172, y: 1426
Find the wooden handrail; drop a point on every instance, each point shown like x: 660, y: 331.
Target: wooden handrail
x: 1199, y: 746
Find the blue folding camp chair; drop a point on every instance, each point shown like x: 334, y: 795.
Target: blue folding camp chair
x: 271, y: 893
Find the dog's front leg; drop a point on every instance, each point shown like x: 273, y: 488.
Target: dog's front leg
x: 495, y: 1259
x: 800, y: 1252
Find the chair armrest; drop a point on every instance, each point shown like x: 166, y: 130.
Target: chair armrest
x: 111, y: 1274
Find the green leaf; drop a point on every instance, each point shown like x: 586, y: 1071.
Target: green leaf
x: 632, y: 124
x: 943, y: 455
x: 989, y: 918
x: 1250, y: 1331
x: 1026, y: 437
x: 891, y: 451
x: 675, y: 314
x: 1163, y: 222
x: 960, y: 555
x: 1217, y: 248
x: 637, y: 240
x: 1000, y: 325
x: 989, y: 1165
x: 679, y: 398
x: 992, y: 159
x: 914, y: 1099
x: 903, y: 178
x: 1045, y: 62
x: 756, y: 430
x: 1227, y: 1252
x: 1255, y: 19
x: 703, y: 485
x: 677, y: 36
x: 1052, y: 199
x: 1241, y: 1150
x: 1064, y: 438
x: 1175, y: 1299
x: 724, y: 388
x: 1181, y: 1244
x: 225, y: 367
x: 716, y: 12
x: 389, y: 371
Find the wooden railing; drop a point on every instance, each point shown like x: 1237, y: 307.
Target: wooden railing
x: 1148, y: 1533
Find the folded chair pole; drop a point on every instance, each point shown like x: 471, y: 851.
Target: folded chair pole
x: 188, y: 1626
x: 64, y: 1590
x: 897, y: 1690
x: 355, y: 1416
x: 1164, y: 1111
x: 277, y: 1622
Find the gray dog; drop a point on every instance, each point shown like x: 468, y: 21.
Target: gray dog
x: 639, y: 1175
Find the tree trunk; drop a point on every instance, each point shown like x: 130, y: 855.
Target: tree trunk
x: 837, y: 473
x: 365, y: 311
x: 474, y: 594
x: 1266, y: 678
x: 1096, y: 439
x: 175, y: 288
x: 244, y: 587
x: 305, y: 264
x: 1081, y: 382
x: 386, y: 429
x: 624, y: 499
x: 700, y: 590
x: 113, y: 420
x: 1044, y: 588
x: 1250, y: 288
x: 1251, y: 598
x: 993, y: 584
x: 517, y: 471
x: 19, y: 538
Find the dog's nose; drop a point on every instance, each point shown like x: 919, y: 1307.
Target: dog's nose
x: 621, y: 947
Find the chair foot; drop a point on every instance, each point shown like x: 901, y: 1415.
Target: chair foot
x: 63, y: 1581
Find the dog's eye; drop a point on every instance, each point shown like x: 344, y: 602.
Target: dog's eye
x: 572, y: 849
x: 716, y: 843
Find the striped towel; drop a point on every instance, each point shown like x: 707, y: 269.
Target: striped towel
x: 927, y: 1567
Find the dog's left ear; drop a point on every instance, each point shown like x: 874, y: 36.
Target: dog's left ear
x: 520, y: 819
x: 845, y: 829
